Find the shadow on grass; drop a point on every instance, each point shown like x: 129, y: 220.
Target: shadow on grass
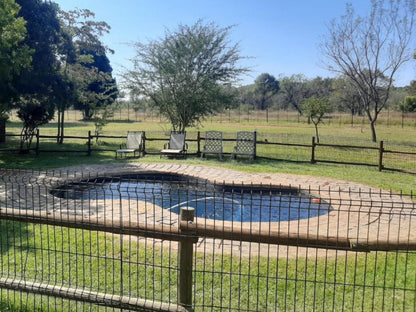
x: 13, y: 235
x: 18, y: 124
x: 52, y: 160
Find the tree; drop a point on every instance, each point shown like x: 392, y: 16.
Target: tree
x: 33, y: 113
x: 14, y: 56
x: 346, y: 96
x: 319, y: 87
x: 411, y: 88
x: 315, y: 109
x: 96, y: 86
x: 293, y: 90
x: 370, y: 50
x: 266, y: 86
x: 185, y: 72
x: 85, y: 65
x: 409, y: 104
x: 41, y: 83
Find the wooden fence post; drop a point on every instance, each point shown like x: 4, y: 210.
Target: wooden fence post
x: 198, y: 138
x: 185, y: 261
x: 144, y: 143
x: 313, y: 151
x: 89, y: 143
x: 380, y: 156
x: 37, y: 143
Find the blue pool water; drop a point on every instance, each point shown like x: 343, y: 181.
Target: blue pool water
x: 211, y: 201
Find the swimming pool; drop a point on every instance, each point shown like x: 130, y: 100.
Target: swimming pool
x: 226, y: 202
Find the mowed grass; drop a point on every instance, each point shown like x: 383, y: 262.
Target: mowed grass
x: 375, y: 281
x: 108, y: 264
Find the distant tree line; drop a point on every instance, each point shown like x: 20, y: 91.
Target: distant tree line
x: 294, y: 90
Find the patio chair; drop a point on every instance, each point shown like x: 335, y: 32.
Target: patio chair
x: 213, y: 143
x: 245, y: 145
x: 134, y: 144
x: 176, y: 145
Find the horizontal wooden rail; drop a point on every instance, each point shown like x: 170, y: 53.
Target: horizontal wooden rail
x: 347, y: 146
x: 283, y: 144
x: 85, y: 295
x: 268, y: 236
x: 399, y: 152
x: 220, y: 231
x: 94, y: 224
x: 66, y: 137
x: 345, y: 163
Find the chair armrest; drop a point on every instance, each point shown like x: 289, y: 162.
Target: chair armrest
x: 186, y: 146
x: 166, y: 146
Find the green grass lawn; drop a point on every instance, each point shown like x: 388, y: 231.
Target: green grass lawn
x: 376, y: 281
x: 104, y: 263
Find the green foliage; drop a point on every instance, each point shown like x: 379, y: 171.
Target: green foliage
x: 293, y: 91
x: 409, y: 104
x: 33, y: 114
x: 87, y: 64
x: 266, y: 86
x: 315, y: 109
x: 14, y: 54
x: 346, y: 96
x: 185, y: 73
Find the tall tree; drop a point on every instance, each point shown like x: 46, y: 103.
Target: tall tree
x: 37, y: 85
x: 293, y: 91
x: 184, y: 72
x: 85, y: 64
x: 370, y: 50
x: 266, y: 86
x: 14, y: 56
x: 98, y: 88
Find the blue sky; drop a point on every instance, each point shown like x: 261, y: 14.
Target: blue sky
x: 280, y: 36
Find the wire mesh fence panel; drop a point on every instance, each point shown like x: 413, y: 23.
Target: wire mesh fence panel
x: 401, y: 161
x: 111, y: 240
x: 347, y: 154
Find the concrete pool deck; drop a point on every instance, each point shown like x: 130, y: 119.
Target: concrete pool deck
x: 360, y: 213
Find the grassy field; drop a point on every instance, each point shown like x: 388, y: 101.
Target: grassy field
x: 395, y: 137
x: 360, y: 282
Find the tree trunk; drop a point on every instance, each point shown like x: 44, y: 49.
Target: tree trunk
x: 61, y: 134
x: 373, y: 131
x: 2, y: 130
x: 316, y: 132
x: 59, y: 127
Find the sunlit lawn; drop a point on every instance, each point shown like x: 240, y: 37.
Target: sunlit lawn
x: 358, y: 282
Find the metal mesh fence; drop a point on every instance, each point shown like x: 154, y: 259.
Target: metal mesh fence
x: 114, y: 240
